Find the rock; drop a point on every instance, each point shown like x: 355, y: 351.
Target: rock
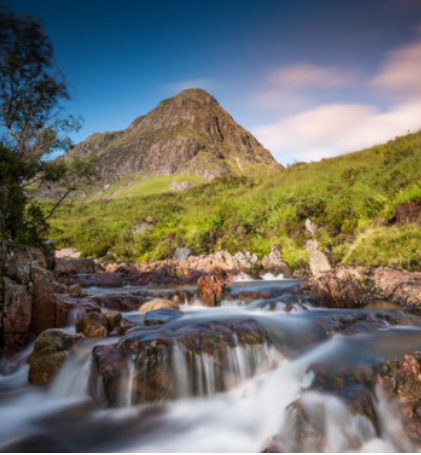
x: 319, y: 263
x: 44, y: 301
x: 273, y: 263
x: 162, y: 316
x: 75, y: 290
x: 109, y: 371
x: 113, y: 318
x: 210, y: 289
x: 16, y: 316
x: 67, y: 253
x: 155, y: 377
x: 157, y: 304
x: 181, y: 254
x: 68, y: 310
x: 93, y: 325
x: 310, y: 226
x: 75, y: 266
x: 51, y: 349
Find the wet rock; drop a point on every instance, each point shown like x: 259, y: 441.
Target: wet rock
x: 162, y: 316
x: 157, y: 355
x: 118, y: 302
x: 68, y: 310
x: 113, y: 319
x: 75, y: 290
x: 51, y: 349
x: 210, y: 289
x: 109, y: 373
x: 44, y: 301
x: 342, y: 288
x: 401, y: 378
x: 93, y: 325
x: 157, y: 304
x: 15, y: 315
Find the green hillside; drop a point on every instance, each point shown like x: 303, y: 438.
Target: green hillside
x: 352, y: 198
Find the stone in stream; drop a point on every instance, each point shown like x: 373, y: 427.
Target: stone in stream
x: 113, y: 318
x: 200, y: 358
x: 93, y: 325
x: 157, y: 304
x: 162, y: 316
x: 210, y: 289
x: 51, y: 349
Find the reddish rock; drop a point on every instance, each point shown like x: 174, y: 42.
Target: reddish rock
x: 210, y: 289
x: 43, y: 309
x: 93, y: 325
x: 16, y: 316
x: 70, y: 309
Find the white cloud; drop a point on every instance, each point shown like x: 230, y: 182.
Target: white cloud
x: 176, y: 87
x: 334, y: 129
x: 305, y: 75
x: 401, y: 72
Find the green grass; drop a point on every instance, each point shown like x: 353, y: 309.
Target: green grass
x: 132, y: 186
x: 352, y: 198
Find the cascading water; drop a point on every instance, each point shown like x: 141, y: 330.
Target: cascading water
x: 240, y: 378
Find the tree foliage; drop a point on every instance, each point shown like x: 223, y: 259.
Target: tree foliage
x: 31, y: 92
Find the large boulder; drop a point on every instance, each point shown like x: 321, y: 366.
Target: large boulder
x: 51, y: 349
x: 192, y: 359
x: 274, y: 263
x: 75, y: 266
x: 319, y: 263
x: 157, y: 304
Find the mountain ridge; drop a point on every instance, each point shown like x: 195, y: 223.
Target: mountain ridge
x: 189, y: 133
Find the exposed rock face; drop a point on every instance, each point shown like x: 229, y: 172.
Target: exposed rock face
x: 319, y: 263
x: 51, y: 349
x: 188, y: 134
x: 273, y: 263
x: 347, y: 287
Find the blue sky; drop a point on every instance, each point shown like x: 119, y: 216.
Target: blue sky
x: 310, y: 78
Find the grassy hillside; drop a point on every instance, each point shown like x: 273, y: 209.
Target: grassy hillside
x: 352, y: 198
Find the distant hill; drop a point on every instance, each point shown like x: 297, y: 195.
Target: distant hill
x: 366, y: 206
x: 189, y: 134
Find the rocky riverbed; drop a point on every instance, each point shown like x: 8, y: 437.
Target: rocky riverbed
x: 139, y: 361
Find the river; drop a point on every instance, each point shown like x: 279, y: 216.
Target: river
x: 252, y: 398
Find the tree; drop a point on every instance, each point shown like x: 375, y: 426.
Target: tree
x: 31, y: 91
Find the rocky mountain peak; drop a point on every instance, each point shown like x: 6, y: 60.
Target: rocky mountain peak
x: 189, y: 133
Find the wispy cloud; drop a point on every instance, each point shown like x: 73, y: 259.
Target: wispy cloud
x: 178, y: 86
x: 330, y: 130
x: 306, y: 75
x: 401, y: 72
x: 318, y: 130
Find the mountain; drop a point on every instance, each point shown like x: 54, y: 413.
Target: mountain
x: 189, y: 134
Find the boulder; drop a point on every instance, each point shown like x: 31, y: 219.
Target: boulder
x: 93, y: 325
x: 273, y: 263
x: 75, y: 290
x: 195, y: 354
x: 16, y: 316
x: 210, y: 289
x: 113, y: 319
x: 319, y: 263
x: 44, y: 301
x: 181, y: 254
x: 51, y: 349
x: 157, y: 304
x: 162, y: 316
